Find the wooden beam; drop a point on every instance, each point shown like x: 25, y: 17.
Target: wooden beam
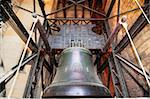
x: 16, y: 24
x: 81, y: 19
x: 134, y: 30
x: 93, y: 6
x: 66, y: 7
x: 75, y: 10
x: 90, y: 9
x: 83, y: 11
x: 104, y: 4
x: 43, y: 35
x: 64, y: 10
x: 41, y: 4
x: 110, y: 8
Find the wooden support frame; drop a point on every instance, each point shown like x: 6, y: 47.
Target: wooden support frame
x: 66, y: 7
x: 134, y: 30
x: 110, y: 8
x: 17, y: 25
x: 90, y: 9
x: 123, y: 91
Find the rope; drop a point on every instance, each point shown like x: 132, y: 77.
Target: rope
x: 22, y: 57
x: 124, y: 24
x: 142, y: 11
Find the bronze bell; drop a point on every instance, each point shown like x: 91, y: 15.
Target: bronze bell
x: 76, y: 76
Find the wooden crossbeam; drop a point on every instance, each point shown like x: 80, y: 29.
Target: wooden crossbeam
x: 90, y: 9
x: 66, y: 7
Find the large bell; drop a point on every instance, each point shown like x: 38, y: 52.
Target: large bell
x: 76, y: 76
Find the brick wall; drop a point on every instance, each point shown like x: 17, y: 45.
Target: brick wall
x: 141, y: 42
x: 125, y: 5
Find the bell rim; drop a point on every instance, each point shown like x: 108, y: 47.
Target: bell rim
x: 80, y: 86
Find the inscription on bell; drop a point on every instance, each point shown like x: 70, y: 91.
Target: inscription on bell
x: 76, y: 67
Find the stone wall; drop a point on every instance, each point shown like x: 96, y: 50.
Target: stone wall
x: 11, y: 45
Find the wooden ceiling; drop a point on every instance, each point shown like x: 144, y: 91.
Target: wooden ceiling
x: 80, y: 9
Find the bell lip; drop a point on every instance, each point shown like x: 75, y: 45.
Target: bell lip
x: 79, y: 48
x: 99, y: 91
x: 76, y: 83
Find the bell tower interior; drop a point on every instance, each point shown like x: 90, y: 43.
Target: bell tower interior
x: 74, y: 48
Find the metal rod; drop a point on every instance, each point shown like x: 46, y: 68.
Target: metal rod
x: 64, y: 10
x: 146, y: 5
x: 40, y: 65
x: 109, y: 78
x: 42, y: 79
x: 112, y: 36
x: 122, y: 13
x: 83, y: 11
x: 21, y: 60
x: 24, y: 9
x: 118, y: 67
x: 113, y: 71
x: 119, y: 90
x: 134, y: 67
x: 41, y: 4
x: 34, y: 6
x: 13, y: 70
x: 121, y: 76
x: 43, y: 36
x: 111, y: 65
x: 142, y: 12
x: 135, y: 80
x: 47, y: 66
x: 75, y: 10
x: 103, y: 66
x: 110, y: 7
x: 118, y: 10
x: 32, y: 72
x: 134, y: 30
x: 17, y: 25
x: 135, y: 51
